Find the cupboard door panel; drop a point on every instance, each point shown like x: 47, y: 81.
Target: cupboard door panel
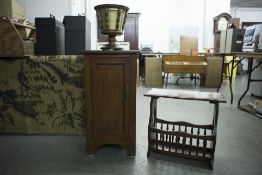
x: 109, y: 84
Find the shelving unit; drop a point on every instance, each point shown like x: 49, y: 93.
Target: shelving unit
x: 15, y: 39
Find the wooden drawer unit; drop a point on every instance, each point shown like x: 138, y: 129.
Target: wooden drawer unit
x: 110, y: 86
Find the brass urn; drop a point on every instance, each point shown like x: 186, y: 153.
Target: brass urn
x: 111, y: 19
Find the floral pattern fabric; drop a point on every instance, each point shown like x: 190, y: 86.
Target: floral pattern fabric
x: 42, y: 94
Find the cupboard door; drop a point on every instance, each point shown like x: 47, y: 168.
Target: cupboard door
x: 110, y: 93
x: 131, y: 30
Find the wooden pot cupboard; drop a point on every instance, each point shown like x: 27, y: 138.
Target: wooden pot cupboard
x: 110, y: 93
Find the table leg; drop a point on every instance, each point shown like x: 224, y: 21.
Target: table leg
x: 163, y: 78
x: 250, y: 65
x: 230, y: 79
x: 152, y: 119
x: 221, y: 77
x: 215, y: 119
x: 211, y: 164
x: 195, y: 76
x: 167, y: 78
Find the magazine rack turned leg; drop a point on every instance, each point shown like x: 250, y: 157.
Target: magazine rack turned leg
x: 152, y: 118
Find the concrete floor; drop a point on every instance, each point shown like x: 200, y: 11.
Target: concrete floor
x: 238, y: 150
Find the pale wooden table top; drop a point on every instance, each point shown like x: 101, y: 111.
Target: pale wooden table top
x: 187, y: 95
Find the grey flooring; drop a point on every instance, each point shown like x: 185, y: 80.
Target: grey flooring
x: 238, y: 150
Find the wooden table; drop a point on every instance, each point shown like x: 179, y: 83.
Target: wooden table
x: 181, y: 138
x: 251, y: 68
x: 184, y: 64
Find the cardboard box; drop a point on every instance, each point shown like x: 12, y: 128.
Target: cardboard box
x: 213, y: 75
x: 236, y: 22
x: 153, y: 72
x: 188, y: 45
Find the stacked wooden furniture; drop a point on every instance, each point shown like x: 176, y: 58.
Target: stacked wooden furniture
x: 181, y: 138
x: 188, y: 45
x: 110, y: 86
x: 185, y: 64
x: 15, y: 39
x: 214, y: 70
x: 153, y: 71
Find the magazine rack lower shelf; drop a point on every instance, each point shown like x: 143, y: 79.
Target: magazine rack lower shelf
x: 181, y: 138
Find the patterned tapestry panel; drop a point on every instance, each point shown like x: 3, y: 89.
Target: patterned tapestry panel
x: 42, y: 94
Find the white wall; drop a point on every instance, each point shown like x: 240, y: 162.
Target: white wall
x: 158, y: 20
x: 247, y: 14
x: 88, y: 9
x: 158, y: 17
x: 58, y: 8
x: 78, y: 7
x: 212, y: 9
x: 43, y: 8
